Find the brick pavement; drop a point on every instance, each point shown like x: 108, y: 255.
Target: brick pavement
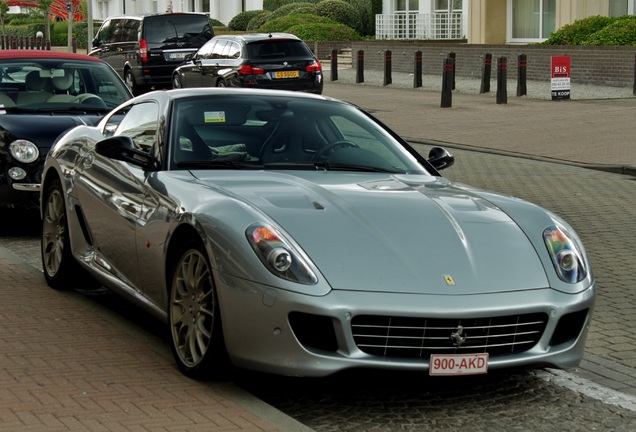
x: 62, y: 372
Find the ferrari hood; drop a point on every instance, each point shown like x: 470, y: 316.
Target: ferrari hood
x: 410, y: 234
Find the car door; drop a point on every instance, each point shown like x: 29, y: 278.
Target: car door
x: 192, y: 70
x: 112, y: 194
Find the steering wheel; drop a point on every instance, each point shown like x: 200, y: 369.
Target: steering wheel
x: 89, y: 98
x: 328, y: 148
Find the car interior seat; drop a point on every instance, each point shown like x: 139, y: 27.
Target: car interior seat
x: 62, y: 85
x: 6, y: 101
x: 37, y: 89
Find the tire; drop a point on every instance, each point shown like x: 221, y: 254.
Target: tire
x: 176, y: 82
x: 194, y: 319
x: 221, y: 83
x: 61, y: 270
x: 135, y: 89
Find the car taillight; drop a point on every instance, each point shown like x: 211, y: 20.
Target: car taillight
x: 250, y: 70
x: 143, y: 50
x: 314, y: 67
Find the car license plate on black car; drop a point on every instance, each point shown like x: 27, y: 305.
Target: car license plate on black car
x: 286, y: 74
x: 458, y: 364
x: 175, y: 56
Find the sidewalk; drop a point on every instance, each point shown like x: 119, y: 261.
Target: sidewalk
x: 595, y: 128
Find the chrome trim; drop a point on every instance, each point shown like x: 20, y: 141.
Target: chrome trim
x: 29, y: 187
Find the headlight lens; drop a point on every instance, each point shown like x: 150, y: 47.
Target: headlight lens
x: 566, y: 256
x: 24, y: 151
x: 278, y: 254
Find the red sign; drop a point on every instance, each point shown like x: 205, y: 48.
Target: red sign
x: 560, y: 77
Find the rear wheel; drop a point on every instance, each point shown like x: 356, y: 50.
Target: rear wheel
x: 195, y: 322
x: 221, y: 83
x: 61, y: 271
x: 176, y: 81
x: 135, y: 89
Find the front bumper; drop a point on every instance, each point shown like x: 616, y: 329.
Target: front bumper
x: 259, y: 335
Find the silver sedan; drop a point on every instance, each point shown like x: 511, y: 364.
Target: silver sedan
x: 295, y: 234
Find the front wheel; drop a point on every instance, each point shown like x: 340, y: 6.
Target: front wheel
x: 176, y: 82
x: 195, y: 322
x: 134, y: 88
x: 61, y: 271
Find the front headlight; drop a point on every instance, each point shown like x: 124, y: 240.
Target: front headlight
x: 24, y: 151
x: 566, y: 255
x: 279, y: 255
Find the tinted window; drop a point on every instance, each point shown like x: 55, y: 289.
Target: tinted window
x: 177, y: 27
x: 269, y: 49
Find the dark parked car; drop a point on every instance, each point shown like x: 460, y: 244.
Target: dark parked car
x: 145, y: 49
x: 42, y: 94
x: 295, y: 234
x: 278, y: 61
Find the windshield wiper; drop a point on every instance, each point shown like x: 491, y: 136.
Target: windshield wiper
x: 215, y: 164
x: 328, y: 166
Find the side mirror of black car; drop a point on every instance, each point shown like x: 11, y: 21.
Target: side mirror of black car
x: 440, y: 158
x: 123, y: 149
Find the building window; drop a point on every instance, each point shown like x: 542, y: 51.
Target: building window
x: 449, y: 6
x: 621, y: 7
x: 531, y: 20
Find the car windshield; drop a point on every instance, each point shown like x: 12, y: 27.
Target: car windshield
x: 282, y: 132
x: 53, y: 85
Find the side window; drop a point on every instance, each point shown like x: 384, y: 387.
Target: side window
x: 119, y: 28
x: 140, y: 123
x: 234, y: 51
x: 217, y: 51
x: 105, y: 33
x: 130, y: 31
x: 364, y: 139
x: 206, y: 50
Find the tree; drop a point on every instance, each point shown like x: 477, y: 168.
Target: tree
x: 4, y: 9
x: 45, y: 6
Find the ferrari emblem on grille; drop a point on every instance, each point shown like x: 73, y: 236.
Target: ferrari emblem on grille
x: 457, y: 337
x: 449, y: 280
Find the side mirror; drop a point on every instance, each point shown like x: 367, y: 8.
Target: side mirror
x: 440, y: 158
x: 188, y: 57
x: 123, y: 149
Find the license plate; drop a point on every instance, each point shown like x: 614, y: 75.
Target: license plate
x: 176, y: 56
x: 287, y: 74
x: 458, y: 364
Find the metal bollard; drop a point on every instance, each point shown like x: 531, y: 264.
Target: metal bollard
x: 447, y: 78
x: 417, y: 72
x: 522, y: 89
x: 360, y: 67
x: 502, y: 77
x: 635, y: 75
x: 453, y: 57
x: 74, y: 44
x: 334, y: 65
x: 485, y: 74
x: 387, y: 68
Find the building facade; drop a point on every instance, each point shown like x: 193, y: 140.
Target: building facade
x: 478, y: 21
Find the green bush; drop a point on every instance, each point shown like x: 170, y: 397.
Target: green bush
x: 323, y: 32
x: 621, y: 32
x: 579, y: 31
x: 337, y: 10
x: 260, y: 19
x: 294, y: 8
x: 282, y: 24
x: 240, y: 21
x: 216, y: 23
x: 364, y: 19
x: 272, y: 5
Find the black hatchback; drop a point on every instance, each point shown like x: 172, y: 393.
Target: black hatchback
x: 278, y: 61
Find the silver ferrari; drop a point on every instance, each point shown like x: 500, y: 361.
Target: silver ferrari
x: 295, y: 234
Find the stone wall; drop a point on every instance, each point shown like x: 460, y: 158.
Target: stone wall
x: 613, y: 66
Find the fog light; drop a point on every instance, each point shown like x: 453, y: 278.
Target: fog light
x: 17, y: 173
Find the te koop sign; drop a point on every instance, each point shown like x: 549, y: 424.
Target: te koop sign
x: 560, y: 77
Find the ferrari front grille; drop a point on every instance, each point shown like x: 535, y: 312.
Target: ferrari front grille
x: 404, y: 337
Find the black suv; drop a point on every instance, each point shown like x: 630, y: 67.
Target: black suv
x: 145, y: 49
x: 279, y: 61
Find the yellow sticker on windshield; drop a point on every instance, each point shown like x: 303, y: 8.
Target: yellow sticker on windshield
x: 214, y: 116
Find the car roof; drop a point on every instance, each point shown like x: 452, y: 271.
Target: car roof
x: 45, y: 54
x: 220, y: 91
x: 254, y: 37
x: 150, y: 15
